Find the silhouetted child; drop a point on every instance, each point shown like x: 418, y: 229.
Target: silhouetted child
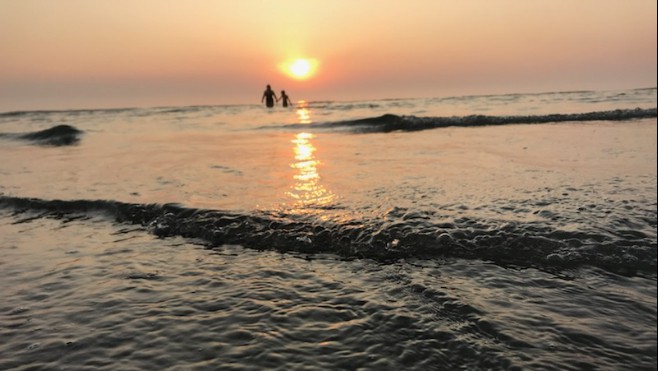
x: 285, y: 98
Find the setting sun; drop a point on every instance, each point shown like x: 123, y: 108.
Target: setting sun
x: 300, y: 68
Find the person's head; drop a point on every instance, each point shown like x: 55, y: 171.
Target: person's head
x: 268, y: 87
x: 283, y: 92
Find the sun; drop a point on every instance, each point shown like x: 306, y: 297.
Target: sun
x: 300, y: 68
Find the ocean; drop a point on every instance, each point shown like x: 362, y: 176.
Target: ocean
x: 499, y: 232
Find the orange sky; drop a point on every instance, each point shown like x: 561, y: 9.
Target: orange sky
x: 125, y: 53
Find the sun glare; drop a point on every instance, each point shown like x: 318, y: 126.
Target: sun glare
x: 300, y: 68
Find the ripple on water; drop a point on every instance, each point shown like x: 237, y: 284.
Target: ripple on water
x: 235, y: 307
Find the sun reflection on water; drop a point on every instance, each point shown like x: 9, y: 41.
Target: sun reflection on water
x: 303, y: 113
x: 307, y: 189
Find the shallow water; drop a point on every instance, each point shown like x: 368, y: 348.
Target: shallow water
x: 84, y: 293
x: 231, y: 237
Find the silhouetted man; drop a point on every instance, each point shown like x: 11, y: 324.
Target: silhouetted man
x: 269, y: 96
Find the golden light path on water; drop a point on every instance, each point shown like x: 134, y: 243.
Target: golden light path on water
x: 307, y: 189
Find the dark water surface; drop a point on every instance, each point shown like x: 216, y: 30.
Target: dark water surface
x: 93, y: 294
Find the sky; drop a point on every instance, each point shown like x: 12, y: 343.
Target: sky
x: 78, y: 54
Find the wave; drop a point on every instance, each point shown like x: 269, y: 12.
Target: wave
x: 400, y: 234
x: 390, y: 122
x: 60, y: 135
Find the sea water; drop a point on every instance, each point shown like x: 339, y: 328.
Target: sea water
x: 482, y: 232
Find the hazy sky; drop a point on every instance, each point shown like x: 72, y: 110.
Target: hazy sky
x: 60, y: 54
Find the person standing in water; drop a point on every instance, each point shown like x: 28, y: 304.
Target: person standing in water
x: 269, y: 96
x: 285, y: 98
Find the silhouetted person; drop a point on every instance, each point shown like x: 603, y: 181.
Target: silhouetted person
x: 269, y: 96
x: 285, y: 98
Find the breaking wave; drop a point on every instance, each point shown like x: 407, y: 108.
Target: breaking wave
x: 390, y: 122
x: 60, y: 135
x: 401, y: 233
